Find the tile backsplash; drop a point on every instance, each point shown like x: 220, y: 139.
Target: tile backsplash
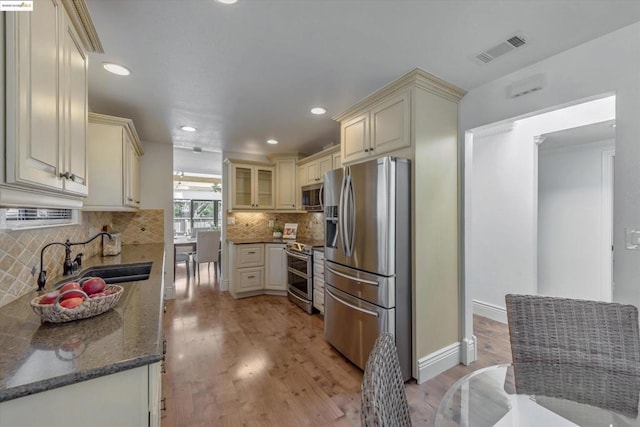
x: 256, y: 224
x: 20, y: 250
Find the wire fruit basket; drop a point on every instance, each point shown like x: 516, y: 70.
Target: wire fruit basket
x: 55, y: 313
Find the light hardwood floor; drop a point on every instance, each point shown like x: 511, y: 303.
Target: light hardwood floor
x: 263, y: 362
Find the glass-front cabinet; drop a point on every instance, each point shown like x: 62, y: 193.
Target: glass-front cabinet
x: 253, y: 186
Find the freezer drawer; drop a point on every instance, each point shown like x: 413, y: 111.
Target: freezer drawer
x: 354, y: 324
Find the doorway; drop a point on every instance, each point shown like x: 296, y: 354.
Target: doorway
x: 501, y: 219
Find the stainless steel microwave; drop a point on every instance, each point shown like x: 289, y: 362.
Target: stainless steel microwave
x: 312, y: 197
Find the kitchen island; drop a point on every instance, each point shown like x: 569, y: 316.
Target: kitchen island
x: 42, y: 365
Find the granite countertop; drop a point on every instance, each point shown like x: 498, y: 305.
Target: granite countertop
x: 250, y: 240
x: 36, y: 356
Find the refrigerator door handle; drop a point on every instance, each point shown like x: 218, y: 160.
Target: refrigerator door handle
x: 355, y: 279
x: 321, y: 196
x: 341, y: 215
x: 351, y: 203
x: 355, y: 307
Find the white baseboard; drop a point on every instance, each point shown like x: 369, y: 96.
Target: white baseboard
x: 224, y: 286
x: 438, y: 362
x: 469, y: 350
x: 490, y: 311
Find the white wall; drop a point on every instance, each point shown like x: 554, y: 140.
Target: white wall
x: 608, y: 64
x: 570, y: 233
x: 156, y: 188
x: 502, y: 203
x: 204, y: 162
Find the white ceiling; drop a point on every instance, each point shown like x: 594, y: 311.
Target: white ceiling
x: 251, y: 71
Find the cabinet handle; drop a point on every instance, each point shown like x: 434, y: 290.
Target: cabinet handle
x: 68, y: 175
x: 129, y: 199
x: 163, y: 367
x: 164, y: 345
x: 163, y: 404
x: 251, y: 277
x: 252, y: 252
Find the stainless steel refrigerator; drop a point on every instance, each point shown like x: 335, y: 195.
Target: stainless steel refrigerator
x: 368, y: 258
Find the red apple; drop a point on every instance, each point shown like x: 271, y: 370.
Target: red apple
x: 71, y: 286
x: 49, y: 298
x: 98, y: 295
x: 71, y: 302
x: 93, y: 285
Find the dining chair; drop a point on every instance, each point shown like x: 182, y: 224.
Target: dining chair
x: 384, y: 399
x: 578, y: 350
x: 181, y: 257
x: 207, y: 249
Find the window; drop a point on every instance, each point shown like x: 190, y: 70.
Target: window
x: 189, y: 214
x: 25, y: 218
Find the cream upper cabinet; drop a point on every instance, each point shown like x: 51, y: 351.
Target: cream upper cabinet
x: 286, y: 183
x: 252, y: 186
x: 46, y: 99
x: 275, y: 267
x: 113, y: 149
x: 336, y: 162
x: 312, y: 168
x: 383, y: 128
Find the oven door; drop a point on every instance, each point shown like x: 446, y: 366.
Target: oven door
x: 299, y: 274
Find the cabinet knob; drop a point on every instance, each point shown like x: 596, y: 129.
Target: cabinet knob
x: 370, y: 149
x: 68, y: 175
x: 129, y: 199
x: 366, y: 150
x: 163, y: 404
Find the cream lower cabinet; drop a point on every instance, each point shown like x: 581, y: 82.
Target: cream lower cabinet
x: 257, y: 268
x: 129, y: 398
x: 113, y: 149
x: 247, y: 266
x: 276, y: 267
x: 46, y: 106
x: 318, y: 280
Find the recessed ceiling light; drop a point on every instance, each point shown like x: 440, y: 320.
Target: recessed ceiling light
x: 272, y: 141
x: 116, y: 69
x: 227, y: 1
x: 318, y: 110
x: 188, y: 128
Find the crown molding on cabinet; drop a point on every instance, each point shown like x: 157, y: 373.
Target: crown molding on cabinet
x: 319, y: 154
x: 81, y: 19
x: 414, y: 78
x: 127, y: 123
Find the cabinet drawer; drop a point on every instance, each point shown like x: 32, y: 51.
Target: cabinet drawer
x: 250, y: 279
x: 318, y: 300
x: 318, y: 270
x: 318, y: 284
x: 250, y: 256
x: 318, y: 256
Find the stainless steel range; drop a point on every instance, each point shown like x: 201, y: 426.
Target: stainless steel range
x: 300, y: 272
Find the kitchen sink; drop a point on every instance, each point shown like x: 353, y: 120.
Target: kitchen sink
x: 116, y: 273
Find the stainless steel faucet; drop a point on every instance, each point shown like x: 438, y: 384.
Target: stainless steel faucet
x: 68, y: 266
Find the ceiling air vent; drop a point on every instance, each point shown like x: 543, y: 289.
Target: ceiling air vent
x: 500, y: 49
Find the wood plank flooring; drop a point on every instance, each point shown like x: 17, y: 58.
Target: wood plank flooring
x: 262, y: 361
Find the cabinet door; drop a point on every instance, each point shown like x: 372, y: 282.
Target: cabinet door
x: 286, y: 190
x: 336, y: 161
x: 264, y: 191
x: 276, y: 267
x: 312, y: 173
x: 242, y: 196
x: 325, y: 164
x: 355, y: 138
x: 75, y: 112
x: 33, y: 135
x: 390, y: 125
x: 131, y: 180
x: 105, y: 147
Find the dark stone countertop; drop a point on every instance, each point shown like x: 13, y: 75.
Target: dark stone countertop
x: 247, y: 241
x: 36, y: 356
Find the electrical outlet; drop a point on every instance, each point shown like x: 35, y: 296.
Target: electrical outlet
x: 632, y: 238
x: 231, y: 220
x: 270, y: 223
x: 310, y: 224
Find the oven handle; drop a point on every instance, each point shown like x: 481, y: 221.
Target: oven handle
x: 296, y: 296
x: 355, y: 307
x: 297, y: 273
x: 302, y: 257
x: 355, y: 279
